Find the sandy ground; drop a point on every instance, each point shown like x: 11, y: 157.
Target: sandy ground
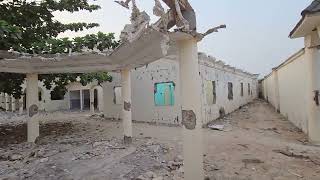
x: 256, y: 143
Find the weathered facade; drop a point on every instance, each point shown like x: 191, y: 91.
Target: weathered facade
x: 156, y: 91
x: 293, y: 87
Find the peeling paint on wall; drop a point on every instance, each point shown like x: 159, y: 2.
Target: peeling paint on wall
x: 189, y: 119
x: 127, y: 106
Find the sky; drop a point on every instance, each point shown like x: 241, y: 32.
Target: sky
x: 256, y: 38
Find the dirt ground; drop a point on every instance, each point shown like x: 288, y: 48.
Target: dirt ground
x: 256, y: 143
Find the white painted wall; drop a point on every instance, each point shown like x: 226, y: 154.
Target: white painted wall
x: 293, y: 89
x: 143, y: 81
x: 221, y: 75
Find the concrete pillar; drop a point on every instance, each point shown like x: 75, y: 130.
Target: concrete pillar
x: 191, y: 110
x: 2, y: 101
x: 21, y: 105
x: 7, y: 101
x: 69, y: 99
x: 81, y: 100
x: 13, y: 104
x: 32, y: 106
x: 92, y: 101
x: 313, y: 59
x: 126, y: 110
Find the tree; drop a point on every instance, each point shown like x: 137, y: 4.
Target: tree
x: 28, y: 26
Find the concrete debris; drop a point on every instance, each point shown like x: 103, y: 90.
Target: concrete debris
x: 252, y: 161
x: 43, y: 160
x: 149, y: 176
x: 216, y: 127
x: 15, y: 157
x: 290, y: 153
x: 298, y: 175
x: 174, y: 165
x: 303, y: 155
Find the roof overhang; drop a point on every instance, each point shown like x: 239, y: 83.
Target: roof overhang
x: 306, y: 25
x: 148, y: 48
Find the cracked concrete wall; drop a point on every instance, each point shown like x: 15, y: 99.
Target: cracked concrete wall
x: 143, y: 81
x: 222, y: 77
x: 293, y: 90
x: 143, y: 106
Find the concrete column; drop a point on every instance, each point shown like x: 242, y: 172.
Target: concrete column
x: 313, y: 57
x: 191, y: 110
x: 69, y: 100
x: 81, y: 100
x: 13, y: 104
x: 21, y: 105
x: 32, y: 106
x: 7, y: 101
x: 2, y: 101
x: 126, y: 111
x: 92, y: 101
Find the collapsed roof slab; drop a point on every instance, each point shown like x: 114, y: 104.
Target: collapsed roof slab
x: 151, y: 46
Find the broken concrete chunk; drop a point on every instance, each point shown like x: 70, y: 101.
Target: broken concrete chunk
x: 216, y: 127
x: 43, y: 160
x: 252, y: 161
x: 150, y: 174
x: 15, y: 157
x: 179, y: 158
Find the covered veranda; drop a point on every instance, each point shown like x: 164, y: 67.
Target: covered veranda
x: 150, y: 47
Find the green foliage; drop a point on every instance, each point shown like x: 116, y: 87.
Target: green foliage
x: 100, y: 41
x: 11, y: 83
x: 35, y: 19
x: 29, y: 26
x: 9, y: 35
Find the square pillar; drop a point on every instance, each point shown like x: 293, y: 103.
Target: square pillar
x: 92, y: 101
x: 21, y: 105
x: 13, y: 104
x: 7, y: 101
x: 191, y: 109
x: 32, y: 107
x: 126, y: 109
x: 81, y: 100
x: 2, y: 101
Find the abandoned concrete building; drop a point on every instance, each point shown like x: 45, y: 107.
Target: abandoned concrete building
x: 293, y: 86
x: 160, y: 77
x: 78, y: 97
x: 156, y: 91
